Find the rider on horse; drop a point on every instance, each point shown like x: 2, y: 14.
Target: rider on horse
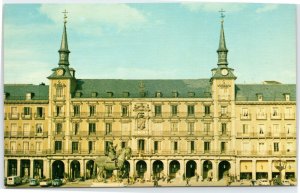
x: 112, y: 153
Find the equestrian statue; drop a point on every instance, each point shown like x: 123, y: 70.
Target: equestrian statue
x: 113, y: 161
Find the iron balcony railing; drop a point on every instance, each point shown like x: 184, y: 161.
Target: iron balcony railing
x: 24, y: 134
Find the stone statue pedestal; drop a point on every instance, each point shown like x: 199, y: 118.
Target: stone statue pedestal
x: 108, y: 184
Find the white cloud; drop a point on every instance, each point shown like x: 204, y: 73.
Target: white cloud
x: 119, y: 16
x: 266, y: 8
x: 214, y: 7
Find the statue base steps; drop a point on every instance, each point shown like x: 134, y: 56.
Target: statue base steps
x: 108, y: 184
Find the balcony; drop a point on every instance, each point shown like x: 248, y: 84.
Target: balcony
x: 13, y: 116
x: 24, y: 134
x: 58, y: 135
x: 39, y: 116
x: 224, y: 97
x: 26, y: 152
x: 246, y: 117
x: 59, y: 97
x: 261, y: 116
x: 276, y: 116
x: 26, y: 116
x: 58, y: 115
x: 224, y: 115
x: 224, y: 134
x: 289, y: 116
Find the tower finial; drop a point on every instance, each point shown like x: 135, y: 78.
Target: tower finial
x: 65, y: 16
x: 222, y: 11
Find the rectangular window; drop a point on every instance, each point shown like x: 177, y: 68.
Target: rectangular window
x: 108, y: 110
x: 92, y: 110
x: 289, y: 129
x: 191, y: 110
x: 14, y: 129
x: 192, y: 146
x: 206, y: 146
x: 175, y: 146
x: 261, y: 129
x: 107, y: 146
x: 124, y: 111
x: 141, y: 144
x: 123, y: 144
x: 276, y: 129
x: 261, y: 147
x: 245, y: 112
x: 155, y: 146
x: 275, y: 112
x: 58, y: 111
x: 245, y: 128
x: 12, y: 146
x: 27, y: 111
x: 38, y: 146
x: 222, y: 146
x: 223, y: 110
x: 157, y: 110
x: 91, y: 146
x: 174, y: 110
x: 206, y: 128
x: 76, y: 129
x: 276, y: 147
x: 58, y: 146
x: 39, y: 112
x: 76, y: 109
x: 59, y: 91
x: 75, y: 147
x: 174, y: 126
x: 224, y: 128
x: 14, y: 113
x: 92, y: 128
x: 26, y: 129
x: 108, y: 128
x: 191, y: 128
x: 207, y: 110
x: 58, y: 128
x: 39, y: 128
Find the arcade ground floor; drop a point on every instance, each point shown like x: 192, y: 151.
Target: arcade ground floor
x: 210, y: 168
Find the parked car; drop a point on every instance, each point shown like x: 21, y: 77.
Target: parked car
x: 46, y: 183
x: 286, y: 182
x: 264, y: 182
x: 33, y: 182
x: 14, y: 180
x: 56, y: 182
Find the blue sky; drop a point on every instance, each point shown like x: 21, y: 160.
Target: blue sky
x: 150, y: 41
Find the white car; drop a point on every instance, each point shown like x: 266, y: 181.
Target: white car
x: 264, y: 182
x: 286, y: 182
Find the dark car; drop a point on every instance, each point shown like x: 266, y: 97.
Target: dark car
x: 33, y: 182
x: 56, y: 182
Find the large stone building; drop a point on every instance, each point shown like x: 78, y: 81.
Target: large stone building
x: 208, y: 127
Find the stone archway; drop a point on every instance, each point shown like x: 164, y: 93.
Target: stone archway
x: 89, y: 169
x: 190, y: 168
x: 157, y: 168
x: 12, y: 167
x: 75, y: 169
x: 207, y: 170
x: 125, y: 169
x: 224, y: 167
x: 174, y: 167
x: 141, y: 168
x: 58, y: 169
x: 25, y: 169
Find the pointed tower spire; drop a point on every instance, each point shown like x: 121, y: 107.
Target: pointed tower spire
x: 64, y: 51
x: 222, y: 50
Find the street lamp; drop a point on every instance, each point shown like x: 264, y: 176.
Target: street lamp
x: 280, y: 165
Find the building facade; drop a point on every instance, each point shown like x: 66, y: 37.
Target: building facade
x: 213, y: 128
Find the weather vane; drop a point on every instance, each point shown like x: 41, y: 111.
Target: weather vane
x: 222, y: 11
x: 65, y: 16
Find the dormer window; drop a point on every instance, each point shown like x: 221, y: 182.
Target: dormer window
x: 259, y: 97
x: 78, y: 94
x: 125, y: 94
x: 5, y: 95
x: 28, y: 96
x: 94, y: 94
x: 158, y: 94
x: 175, y: 94
x: 110, y: 94
x: 191, y: 94
x: 287, y: 96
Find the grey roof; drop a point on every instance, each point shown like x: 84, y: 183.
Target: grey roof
x: 19, y: 91
x: 201, y: 88
x: 274, y: 92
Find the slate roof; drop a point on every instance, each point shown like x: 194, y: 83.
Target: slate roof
x: 19, y: 91
x: 201, y: 88
x: 274, y: 92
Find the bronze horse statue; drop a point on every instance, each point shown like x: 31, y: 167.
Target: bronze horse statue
x: 104, y: 163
